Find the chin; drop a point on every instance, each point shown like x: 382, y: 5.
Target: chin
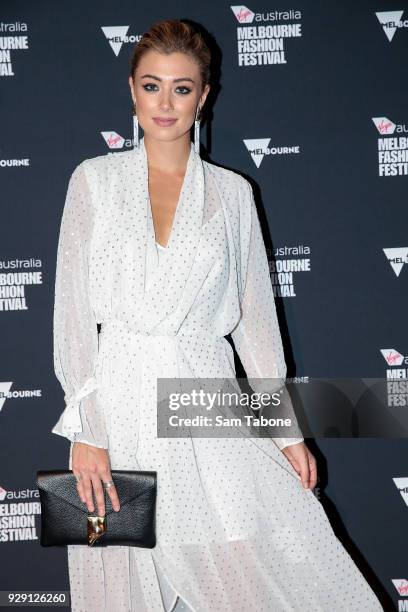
x: 166, y: 134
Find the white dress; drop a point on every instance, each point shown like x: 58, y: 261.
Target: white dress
x: 172, y: 602
x: 236, y: 531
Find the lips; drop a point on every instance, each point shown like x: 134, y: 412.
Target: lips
x: 164, y: 122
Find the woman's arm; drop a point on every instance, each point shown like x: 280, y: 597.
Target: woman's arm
x: 257, y: 337
x: 75, y: 329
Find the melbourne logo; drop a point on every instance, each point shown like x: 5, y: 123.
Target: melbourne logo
x: 397, y: 257
x: 392, y: 147
x: 15, y: 276
x: 288, y: 261
x: 402, y: 486
x: 13, y: 37
x: 117, y: 35
x: 260, y: 45
x: 259, y: 147
x: 6, y: 393
x: 18, y: 510
x: 11, y: 162
x: 391, y: 21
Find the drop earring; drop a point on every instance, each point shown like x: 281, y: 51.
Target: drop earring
x: 197, y: 131
x: 135, y: 129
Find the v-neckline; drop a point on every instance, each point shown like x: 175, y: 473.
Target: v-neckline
x: 158, y: 289
x: 178, y: 206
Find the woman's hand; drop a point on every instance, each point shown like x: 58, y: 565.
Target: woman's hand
x: 92, y: 464
x: 303, y: 463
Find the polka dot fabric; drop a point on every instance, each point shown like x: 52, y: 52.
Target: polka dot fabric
x: 236, y: 531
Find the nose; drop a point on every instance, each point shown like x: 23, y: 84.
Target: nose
x: 166, y: 103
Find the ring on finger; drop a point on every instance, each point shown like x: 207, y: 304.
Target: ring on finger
x: 108, y: 483
x: 77, y: 477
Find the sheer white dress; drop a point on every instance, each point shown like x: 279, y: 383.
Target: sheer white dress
x: 236, y: 531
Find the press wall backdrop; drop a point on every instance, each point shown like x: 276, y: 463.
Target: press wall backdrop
x: 311, y: 106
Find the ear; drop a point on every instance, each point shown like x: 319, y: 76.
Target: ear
x: 131, y: 88
x: 204, y: 95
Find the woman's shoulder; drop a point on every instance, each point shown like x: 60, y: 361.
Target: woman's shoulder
x: 229, y: 181
x: 103, y: 166
x: 101, y: 162
x: 224, y: 173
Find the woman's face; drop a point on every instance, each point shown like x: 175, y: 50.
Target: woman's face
x: 167, y: 87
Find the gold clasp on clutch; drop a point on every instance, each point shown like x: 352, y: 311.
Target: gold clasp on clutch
x: 96, y: 528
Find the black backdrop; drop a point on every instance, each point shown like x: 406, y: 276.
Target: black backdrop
x: 334, y: 95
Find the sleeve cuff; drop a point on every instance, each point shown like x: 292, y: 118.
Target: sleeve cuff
x: 282, y: 443
x: 70, y: 422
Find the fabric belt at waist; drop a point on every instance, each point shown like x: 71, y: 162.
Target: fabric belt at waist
x: 71, y: 422
x: 117, y: 324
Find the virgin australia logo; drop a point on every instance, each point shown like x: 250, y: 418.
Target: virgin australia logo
x: 243, y: 14
x: 392, y: 357
x: 116, y: 141
x: 384, y: 125
x: 401, y: 584
x: 113, y: 140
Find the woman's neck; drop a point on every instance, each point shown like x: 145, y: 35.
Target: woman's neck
x: 169, y: 157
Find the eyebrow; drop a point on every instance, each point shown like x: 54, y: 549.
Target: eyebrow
x: 151, y: 76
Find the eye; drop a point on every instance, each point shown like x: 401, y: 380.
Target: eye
x: 186, y: 90
x: 149, y: 85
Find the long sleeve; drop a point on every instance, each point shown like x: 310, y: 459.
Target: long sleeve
x: 75, y: 329
x: 257, y: 338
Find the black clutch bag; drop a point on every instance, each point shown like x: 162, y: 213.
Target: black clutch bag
x: 65, y: 519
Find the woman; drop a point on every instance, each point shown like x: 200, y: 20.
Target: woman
x: 165, y: 252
